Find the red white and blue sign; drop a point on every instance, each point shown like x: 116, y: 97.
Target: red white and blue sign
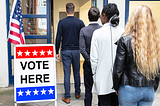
x: 34, y: 73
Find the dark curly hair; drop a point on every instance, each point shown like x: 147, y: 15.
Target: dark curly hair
x: 111, y: 12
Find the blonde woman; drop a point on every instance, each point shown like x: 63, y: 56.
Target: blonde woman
x: 137, y: 60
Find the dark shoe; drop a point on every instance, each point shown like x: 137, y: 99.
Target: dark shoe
x: 78, y: 96
x: 66, y: 100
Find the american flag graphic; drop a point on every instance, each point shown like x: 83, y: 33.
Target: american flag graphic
x: 16, y: 32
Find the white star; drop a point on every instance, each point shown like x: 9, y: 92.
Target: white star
x: 43, y: 92
x: 28, y: 92
x: 42, y: 52
x: 49, y: 52
x: 19, y: 53
x: 50, y: 91
x: 16, y: 15
x: 20, y: 93
x: 35, y: 92
x: 27, y: 53
x: 34, y: 53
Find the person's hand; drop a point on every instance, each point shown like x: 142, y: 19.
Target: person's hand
x: 117, y: 93
x: 57, y: 57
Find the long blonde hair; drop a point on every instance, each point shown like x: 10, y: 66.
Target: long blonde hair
x: 145, y: 41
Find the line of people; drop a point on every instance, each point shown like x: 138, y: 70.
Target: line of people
x: 120, y: 66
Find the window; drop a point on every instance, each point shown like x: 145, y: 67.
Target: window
x: 154, y: 5
x: 31, y: 6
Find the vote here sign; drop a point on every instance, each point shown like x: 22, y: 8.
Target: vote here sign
x: 34, y: 73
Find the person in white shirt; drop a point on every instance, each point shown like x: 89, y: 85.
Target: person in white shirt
x: 103, y: 50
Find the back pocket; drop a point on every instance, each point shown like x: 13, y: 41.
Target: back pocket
x: 127, y: 95
x: 151, y: 94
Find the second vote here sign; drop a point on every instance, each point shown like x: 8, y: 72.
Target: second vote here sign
x: 34, y: 73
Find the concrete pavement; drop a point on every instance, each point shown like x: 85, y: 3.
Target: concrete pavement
x: 7, y: 98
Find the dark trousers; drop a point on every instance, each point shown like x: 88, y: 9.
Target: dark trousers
x: 71, y: 57
x: 108, y: 100
x: 88, y: 83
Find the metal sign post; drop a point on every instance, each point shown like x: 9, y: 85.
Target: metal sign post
x: 34, y: 73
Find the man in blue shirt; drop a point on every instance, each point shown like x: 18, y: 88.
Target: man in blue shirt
x: 85, y: 44
x: 68, y: 31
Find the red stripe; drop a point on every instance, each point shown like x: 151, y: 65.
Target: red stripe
x: 14, y: 25
x: 13, y: 41
x: 14, y: 33
x: 21, y: 39
x: 31, y: 49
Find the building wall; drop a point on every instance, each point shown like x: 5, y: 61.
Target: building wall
x: 4, y: 80
x: 84, y: 12
x: 154, y: 5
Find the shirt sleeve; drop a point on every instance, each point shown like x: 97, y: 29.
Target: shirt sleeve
x: 82, y: 47
x: 119, y: 63
x: 94, y: 54
x: 58, y: 37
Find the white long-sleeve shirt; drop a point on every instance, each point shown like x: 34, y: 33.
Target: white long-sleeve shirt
x: 103, y: 50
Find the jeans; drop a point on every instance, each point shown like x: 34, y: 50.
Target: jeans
x: 135, y: 96
x: 71, y: 57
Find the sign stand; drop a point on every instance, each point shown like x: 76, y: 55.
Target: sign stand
x: 34, y: 73
x: 15, y: 104
x: 55, y: 103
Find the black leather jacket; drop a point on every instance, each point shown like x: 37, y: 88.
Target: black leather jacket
x: 125, y: 70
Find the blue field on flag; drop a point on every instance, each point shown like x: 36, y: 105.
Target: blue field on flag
x: 35, y: 93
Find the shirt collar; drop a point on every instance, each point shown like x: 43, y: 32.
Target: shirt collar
x: 107, y: 24
x: 93, y: 22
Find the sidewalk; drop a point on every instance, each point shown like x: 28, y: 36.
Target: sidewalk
x: 7, y: 98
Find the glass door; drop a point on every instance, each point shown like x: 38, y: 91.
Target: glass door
x: 37, y: 26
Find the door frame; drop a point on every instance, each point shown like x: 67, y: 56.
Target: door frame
x: 105, y: 2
